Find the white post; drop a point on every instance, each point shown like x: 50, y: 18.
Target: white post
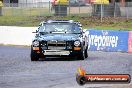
x: 0, y: 10
x: 115, y: 9
x: 127, y: 7
x: 101, y: 12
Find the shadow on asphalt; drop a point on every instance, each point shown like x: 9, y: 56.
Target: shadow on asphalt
x: 93, y: 58
x: 59, y: 59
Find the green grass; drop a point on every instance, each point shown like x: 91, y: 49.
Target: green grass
x: 117, y: 26
x: 108, y: 23
x: 14, y: 16
x: 16, y: 21
x: 15, y: 11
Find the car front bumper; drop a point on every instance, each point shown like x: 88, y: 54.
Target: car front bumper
x: 61, y: 53
x: 58, y: 52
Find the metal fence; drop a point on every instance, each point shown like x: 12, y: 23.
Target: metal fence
x: 46, y: 9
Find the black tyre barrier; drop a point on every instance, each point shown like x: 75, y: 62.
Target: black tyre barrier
x: 60, y: 10
x: 107, y: 10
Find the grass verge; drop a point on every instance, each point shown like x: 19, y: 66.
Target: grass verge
x: 108, y: 23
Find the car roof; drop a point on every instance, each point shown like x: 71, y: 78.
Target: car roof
x: 59, y: 21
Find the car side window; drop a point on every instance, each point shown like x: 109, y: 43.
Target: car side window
x: 41, y: 28
x: 77, y: 29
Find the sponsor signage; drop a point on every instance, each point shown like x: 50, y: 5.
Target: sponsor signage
x: 82, y: 78
x: 107, y: 40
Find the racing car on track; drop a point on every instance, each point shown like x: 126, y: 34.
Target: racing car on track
x: 59, y: 38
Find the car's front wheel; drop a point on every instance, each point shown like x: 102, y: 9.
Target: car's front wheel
x: 34, y: 55
x: 82, y: 55
x: 86, y: 52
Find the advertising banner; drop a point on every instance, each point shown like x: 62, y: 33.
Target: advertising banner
x: 130, y: 42
x: 107, y: 40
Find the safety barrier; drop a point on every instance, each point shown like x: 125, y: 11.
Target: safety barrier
x: 16, y: 35
x: 130, y: 42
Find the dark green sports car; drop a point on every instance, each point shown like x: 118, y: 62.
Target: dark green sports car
x: 59, y: 38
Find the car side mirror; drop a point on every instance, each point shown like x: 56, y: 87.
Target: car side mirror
x: 35, y: 31
x: 80, y: 25
x: 84, y: 30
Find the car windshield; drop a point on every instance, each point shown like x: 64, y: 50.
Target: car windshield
x: 60, y: 28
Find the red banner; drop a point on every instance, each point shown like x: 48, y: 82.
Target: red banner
x: 130, y: 42
x: 82, y: 77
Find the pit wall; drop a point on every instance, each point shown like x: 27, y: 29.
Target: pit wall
x: 12, y: 35
x: 98, y: 40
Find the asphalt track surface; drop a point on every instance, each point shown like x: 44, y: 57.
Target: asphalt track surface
x: 17, y: 71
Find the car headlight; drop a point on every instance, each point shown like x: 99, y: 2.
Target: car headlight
x: 77, y: 43
x: 36, y: 43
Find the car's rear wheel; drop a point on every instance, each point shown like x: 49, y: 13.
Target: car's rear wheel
x: 34, y: 55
